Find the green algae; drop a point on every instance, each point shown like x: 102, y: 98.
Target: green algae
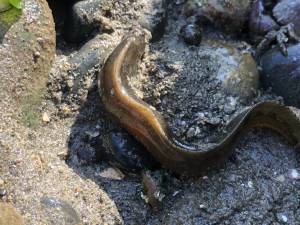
x: 7, y: 19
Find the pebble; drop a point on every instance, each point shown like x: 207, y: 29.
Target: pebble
x: 250, y: 184
x: 280, y: 178
x: 1, y: 182
x: 230, y: 106
x: 191, y: 34
x: 191, y: 132
x: 294, y: 174
x: 3, y: 192
x: 45, y: 117
x: 112, y: 173
x: 282, y: 217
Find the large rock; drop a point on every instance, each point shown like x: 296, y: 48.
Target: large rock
x: 237, y: 71
x: 288, y: 11
x: 82, y: 19
x: 153, y: 17
x: 226, y: 15
x: 26, y: 55
x: 282, y: 74
x: 71, y: 79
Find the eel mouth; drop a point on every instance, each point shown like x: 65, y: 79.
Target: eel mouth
x: 149, y: 127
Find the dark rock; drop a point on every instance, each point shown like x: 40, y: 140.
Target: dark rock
x: 82, y: 19
x: 71, y: 82
x: 191, y: 34
x: 3, y: 192
x: 125, y: 152
x: 153, y: 17
x: 89, y: 55
x: 229, y: 16
x: 282, y: 74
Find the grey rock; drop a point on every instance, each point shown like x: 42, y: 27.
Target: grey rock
x: 153, y: 17
x: 288, y: 11
x: 282, y: 74
x: 82, y: 19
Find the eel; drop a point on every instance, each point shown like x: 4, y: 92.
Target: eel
x: 149, y: 127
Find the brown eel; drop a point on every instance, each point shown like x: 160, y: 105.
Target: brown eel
x: 148, y: 126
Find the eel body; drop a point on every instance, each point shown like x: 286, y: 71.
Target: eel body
x: 148, y: 126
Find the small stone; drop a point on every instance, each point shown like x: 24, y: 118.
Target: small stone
x: 70, y: 84
x: 280, y: 178
x: 1, y: 182
x: 152, y: 188
x: 92, y: 134
x: 202, y: 206
x: 191, y: 34
x: 112, y: 173
x: 63, y: 155
x: 3, y: 192
x: 294, y: 174
x: 175, y: 193
x: 66, y: 109
x: 214, y: 121
x: 230, y: 106
x: 250, y: 184
x: 37, y: 54
x: 191, y: 132
x: 45, y: 117
x: 282, y: 217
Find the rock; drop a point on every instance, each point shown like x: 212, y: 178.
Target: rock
x: 294, y: 174
x: 82, y: 19
x: 288, y: 11
x: 23, y: 75
x: 123, y: 151
x: 282, y: 74
x: 280, y: 178
x: 229, y: 16
x: 45, y: 117
x: 112, y: 173
x: 153, y: 193
x: 3, y: 192
x: 191, y: 34
x: 59, y: 212
x: 9, y: 216
x: 90, y: 54
x: 153, y: 17
x: 191, y: 132
x: 237, y: 70
x: 71, y: 82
